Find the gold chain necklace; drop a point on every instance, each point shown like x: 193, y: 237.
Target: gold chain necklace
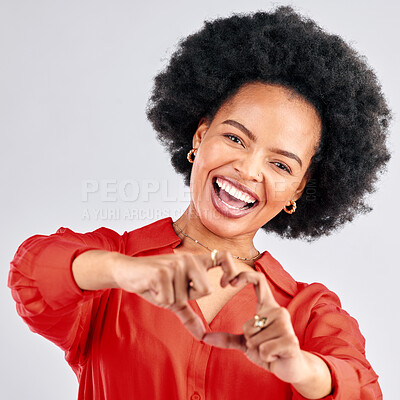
x: 201, y: 244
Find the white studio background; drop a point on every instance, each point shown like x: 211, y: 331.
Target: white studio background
x: 75, y: 77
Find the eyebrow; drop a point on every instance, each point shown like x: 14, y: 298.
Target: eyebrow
x: 252, y: 137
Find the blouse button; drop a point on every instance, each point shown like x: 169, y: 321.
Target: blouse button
x: 195, y: 396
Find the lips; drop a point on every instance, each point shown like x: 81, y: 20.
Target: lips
x: 227, y: 209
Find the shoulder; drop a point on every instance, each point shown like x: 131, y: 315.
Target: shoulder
x: 312, y: 293
x: 101, y: 235
x: 153, y: 236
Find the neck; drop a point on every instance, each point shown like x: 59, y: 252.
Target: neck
x: 190, y: 223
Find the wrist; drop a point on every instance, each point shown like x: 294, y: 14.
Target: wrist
x: 113, y: 267
x: 316, y: 379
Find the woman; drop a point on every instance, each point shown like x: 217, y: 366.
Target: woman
x: 253, y: 109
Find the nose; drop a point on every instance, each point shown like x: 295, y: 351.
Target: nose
x: 249, y: 167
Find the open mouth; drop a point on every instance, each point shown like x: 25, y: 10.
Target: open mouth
x: 233, y: 198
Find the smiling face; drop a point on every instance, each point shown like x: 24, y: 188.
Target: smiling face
x: 252, y: 158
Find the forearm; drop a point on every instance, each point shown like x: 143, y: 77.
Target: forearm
x: 317, y: 380
x: 93, y: 269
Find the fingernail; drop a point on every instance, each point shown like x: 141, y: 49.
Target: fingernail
x: 204, y: 341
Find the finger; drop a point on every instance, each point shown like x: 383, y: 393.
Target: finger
x: 190, y: 319
x: 225, y: 340
x: 250, y: 329
x: 225, y: 261
x: 278, y: 321
x: 199, y: 282
x: 161, y: 288
x: 181, y: 284
x: 263, y: 335
x: 277, y: 348
x: 265, y: 298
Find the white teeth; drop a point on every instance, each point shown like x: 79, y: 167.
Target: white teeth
x: 235, y: 192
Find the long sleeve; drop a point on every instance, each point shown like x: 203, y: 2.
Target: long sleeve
x: 110, y: 336
x: 44, y: 289
x: 332, y: 334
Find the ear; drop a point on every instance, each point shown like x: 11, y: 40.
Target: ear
x: 300, y: 189
x: 200, y: 132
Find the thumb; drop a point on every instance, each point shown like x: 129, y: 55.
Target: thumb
x: 190, y: 319
x: 225, y: 340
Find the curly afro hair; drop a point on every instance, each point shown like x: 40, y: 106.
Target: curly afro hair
x: 282, y: 47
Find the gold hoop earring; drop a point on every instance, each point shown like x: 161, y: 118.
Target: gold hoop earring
x: 189, y: 155
x: 293, y: 209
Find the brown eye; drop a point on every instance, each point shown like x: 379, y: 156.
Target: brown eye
x: 233, y: 138
x: 282, y: 167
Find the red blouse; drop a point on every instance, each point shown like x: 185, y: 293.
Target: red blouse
x: 122, y: 347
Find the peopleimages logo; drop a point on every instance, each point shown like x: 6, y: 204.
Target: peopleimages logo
x: 130, y: 199
x: 130, y: 190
